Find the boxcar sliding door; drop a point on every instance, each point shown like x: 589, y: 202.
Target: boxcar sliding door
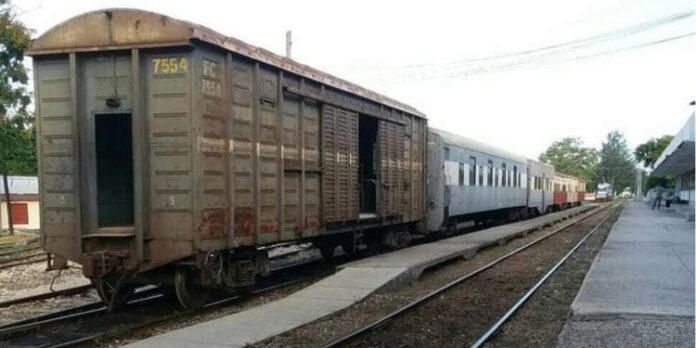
x: 391, y: 158
x: 340, y: 168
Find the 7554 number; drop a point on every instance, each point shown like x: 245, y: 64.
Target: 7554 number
x: 169, y: 65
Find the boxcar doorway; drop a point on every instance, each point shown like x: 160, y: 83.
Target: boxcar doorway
x: 368, y: 164
x: 114, y: 157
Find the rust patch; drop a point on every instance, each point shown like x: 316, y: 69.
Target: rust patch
x: 243, y: 221
x: 212, y: 224
x: 311, y: 221
x: 269, y: 226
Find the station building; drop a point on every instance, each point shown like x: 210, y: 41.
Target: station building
x: 24, y: 199
x: 677, y: 161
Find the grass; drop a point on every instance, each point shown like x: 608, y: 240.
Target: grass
x: 18, y: 237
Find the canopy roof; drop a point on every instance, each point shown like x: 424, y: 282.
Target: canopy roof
x: 678, y: 156
x: 21, y: 185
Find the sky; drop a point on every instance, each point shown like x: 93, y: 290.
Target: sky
x: 516, y: 74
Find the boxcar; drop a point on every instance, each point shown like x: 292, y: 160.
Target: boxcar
x: 168, y: 153
x: 539, y: 187
x: 469, y: 180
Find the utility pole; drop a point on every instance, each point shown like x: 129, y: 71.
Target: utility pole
x: 8, y: 203
x: 288, y: 43
x: 639, y: 185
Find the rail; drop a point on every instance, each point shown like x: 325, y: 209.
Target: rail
x: 435, y: 293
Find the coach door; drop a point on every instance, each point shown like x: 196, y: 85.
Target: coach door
x: 543, y: 192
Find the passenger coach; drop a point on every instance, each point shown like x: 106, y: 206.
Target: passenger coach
x: 540, y: 187
x: 569, y: 191
x: 472, y: 181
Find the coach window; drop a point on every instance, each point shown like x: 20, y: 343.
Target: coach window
x: 472, y: 171
x: 504, y: 167
x: 514, y: 176
x: 480, y: 175
x: 495, y: 176
x: 461, y: 174
x: 490, y: 173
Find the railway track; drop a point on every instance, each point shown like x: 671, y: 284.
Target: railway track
x: 52, y: 329
x: 8, y: 253
x: 90, y: 322
x: 22, y: 260
x: 22, y: 253
x: 354, y: 336
x: 46, y: 295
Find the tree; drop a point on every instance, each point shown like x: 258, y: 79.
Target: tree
x: 14, y: 97
x: 616, y: 166
x: 649, y: 151
x: 570, y: 156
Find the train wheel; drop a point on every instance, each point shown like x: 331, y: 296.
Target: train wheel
x: 348, y: 246
x: 112, y: 294
x: 327, y: 251
x: 190, y: 295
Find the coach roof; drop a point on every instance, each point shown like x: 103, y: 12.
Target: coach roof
x: 472, y: 144
x: 112, y: 29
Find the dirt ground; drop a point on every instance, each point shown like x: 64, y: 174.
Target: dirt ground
x: 26, y: 280
x: 458, y: 316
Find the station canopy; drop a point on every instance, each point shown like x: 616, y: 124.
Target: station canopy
x: 678, y: 156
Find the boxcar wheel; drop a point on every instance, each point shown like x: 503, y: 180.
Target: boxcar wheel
x: 327, y: 251
x: 190, y: 295
x: 110, y: 295
x: 348, y: 247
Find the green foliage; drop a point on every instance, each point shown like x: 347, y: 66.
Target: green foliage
x: 17, y: 137
x: 570, y: 156
x: 14, y: 39
x: 616, y: 166
x: 650, y: 151
x: 17, y: 149
x: 654, y: 181
x: 647, y: 153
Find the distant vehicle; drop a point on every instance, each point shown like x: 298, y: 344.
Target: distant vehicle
x: 626, y: 195
x: 604, y: 192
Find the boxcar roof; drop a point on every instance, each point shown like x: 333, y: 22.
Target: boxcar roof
x: 472, y: 144
x: 110, y: 29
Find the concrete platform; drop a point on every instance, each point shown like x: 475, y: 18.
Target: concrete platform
x: 352, y: 283
x: 640, y: 288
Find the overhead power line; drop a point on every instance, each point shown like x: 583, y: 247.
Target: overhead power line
x: 630, y: 30
x: 574, y: 50
x: 549, y: 61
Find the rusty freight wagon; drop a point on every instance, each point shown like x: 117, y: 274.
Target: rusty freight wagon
x: 169, y: 153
